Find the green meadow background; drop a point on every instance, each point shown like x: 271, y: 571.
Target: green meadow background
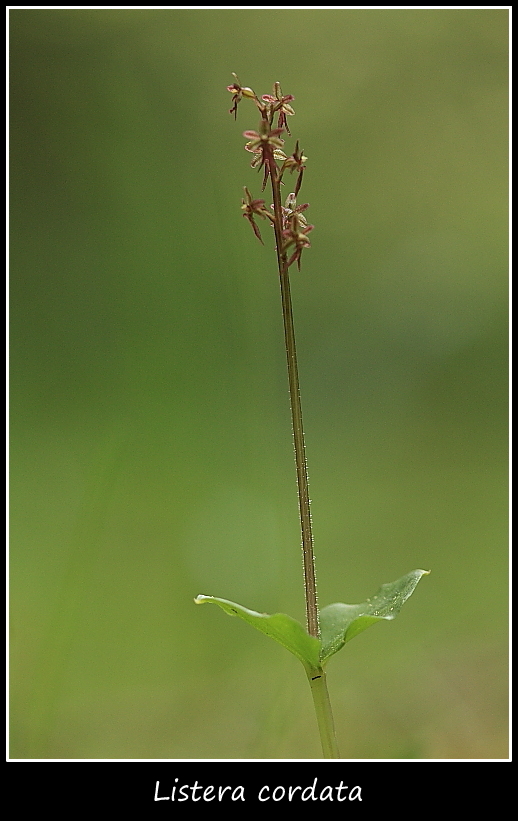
x: 151, y: 452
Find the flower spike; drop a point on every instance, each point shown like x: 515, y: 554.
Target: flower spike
x: 267, y: 148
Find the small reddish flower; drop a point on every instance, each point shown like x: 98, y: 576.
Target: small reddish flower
x: 296, y: 229
x: 295, y: 163
x: 239, y: 91
x: 255, y: 208
x: 280, y: 103
x: 264, y: 143
x: 300, y: 240
x: 265, y: 137
x: 292, y: 212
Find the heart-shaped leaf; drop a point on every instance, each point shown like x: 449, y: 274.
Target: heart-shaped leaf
x: 339, y: 623
x: 281, y: 627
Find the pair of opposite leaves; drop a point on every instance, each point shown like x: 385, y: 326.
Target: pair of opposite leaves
x: 339, y: 623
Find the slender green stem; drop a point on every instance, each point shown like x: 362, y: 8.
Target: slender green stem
x: 318, y: 684
x: 310, y: 584
x: 316, y: 676
x: 300, y: 461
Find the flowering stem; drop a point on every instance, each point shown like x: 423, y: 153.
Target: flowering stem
x: 310, y: 585
x: 317, y: 679
x: 291, y: 230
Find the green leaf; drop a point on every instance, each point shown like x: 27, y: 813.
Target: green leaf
x: 339, y: 623
x: 281, y: 627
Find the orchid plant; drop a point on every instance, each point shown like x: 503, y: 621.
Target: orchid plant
x: 328, y: 629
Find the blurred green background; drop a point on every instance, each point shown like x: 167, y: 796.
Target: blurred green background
x: 151, y: 452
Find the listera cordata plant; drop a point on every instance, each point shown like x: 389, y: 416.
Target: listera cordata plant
x: 326, y: 630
